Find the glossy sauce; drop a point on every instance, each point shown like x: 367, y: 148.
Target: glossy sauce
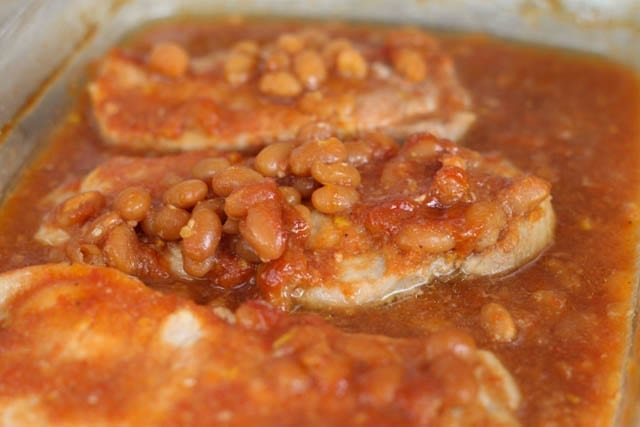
x: 567, y: 118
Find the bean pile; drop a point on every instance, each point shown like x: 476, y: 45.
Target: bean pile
x: 302, y: 61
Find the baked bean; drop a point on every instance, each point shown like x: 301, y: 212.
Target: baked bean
x: 169, y: 59
x: 422, y: 149
x: 201, y: 235
x: 310, y: 68
x: 133, y: 203
x: 275, y: 59
x: 313, y: 131
x: 121, y: 249
x: 333, y: 48
x: 245, y: 251
x: 334, y: 198
x: 216, y: 205
x: 197, y: 268
x: 78, y: 209
x: 233, y: 177
x: 101, y: 227
x: 206, y: 168
x: 525, y: 194
x: 290, y: 43
x: 351, y: 64
x: 410, y: 64
x: 453, y: 160
x: 429, y: 238
x: 290, y: 195
x: 330, y: 150
x: 239, y: 67
x: 231, y: 226
x: 185, y: 194
x: 449, y: 341
x: 487, y: 219
x: 246, y: 46
x: 304, y: 212
x: 167, y: 221
x: 280, y: 83
x: 497, y: 322
x: 273, y: 160
x: 451, y: 186
x: 238, y: 202
x: 264, y: 231
x: 305, y: 185
x: 336, y: 173
x: 358, y: 152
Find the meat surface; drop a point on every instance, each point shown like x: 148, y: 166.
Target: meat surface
x: 322, y: 223
x: 84, y: 345
x: 255, y: 83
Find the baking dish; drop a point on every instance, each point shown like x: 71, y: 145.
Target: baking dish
x: 62, y: 38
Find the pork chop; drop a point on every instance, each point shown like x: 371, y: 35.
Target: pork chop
x: 322, y: 223
x: 267, y: 83
x: 85, y: 345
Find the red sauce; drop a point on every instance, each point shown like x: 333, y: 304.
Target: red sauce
x: 568, y: 118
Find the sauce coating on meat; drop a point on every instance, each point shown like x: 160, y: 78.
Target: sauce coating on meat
x: 110, y: 346
x: 561, y: 324
x: 249, y: 83
x: 318, y: 222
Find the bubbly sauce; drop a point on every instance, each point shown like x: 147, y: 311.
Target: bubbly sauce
x: 568, y: 118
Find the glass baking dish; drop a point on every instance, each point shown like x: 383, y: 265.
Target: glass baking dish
x: 62, y: 37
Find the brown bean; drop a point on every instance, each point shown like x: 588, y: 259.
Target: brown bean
x: 167, y: 221
x: 281, y: 84
x: 310, y: 69
x: 246, y: 46
x: 273, y: 160
x: 525, y: 194
x: 197, y: 268
x: 263, y: 229
x: 133, y: 203
x: 290, y: 43
x: 330, y: 150
x: 231, y: 226
x: 238, y: 202
x: 332, y: 199
x: 239, y: 67
x: 290, y: 195
x: 101, y: 227
x: 78, y: 209
x: 232, y: 178
x: 336, y: 173
x: 201, y: 235
x: 169, y: 58
x: 422, y: 149
x: 421, y: 237
x: 497, y: 322
x: 185, y: 194
x: 451, y: 186
x: 305, y: 185
x: 314, y: 131
x: 358, y: 152
x: 275, y: 60
x: 206, y: 168
x: 216, y: 205
x: 245, y: 251
x: 410, y: 64
x: 351, y: 64
x: 487, y: 219
x: 121, y: 249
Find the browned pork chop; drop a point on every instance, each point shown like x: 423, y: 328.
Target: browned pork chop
x: 320, y: 222
x: 269, y: 82
x: 83, y: 345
